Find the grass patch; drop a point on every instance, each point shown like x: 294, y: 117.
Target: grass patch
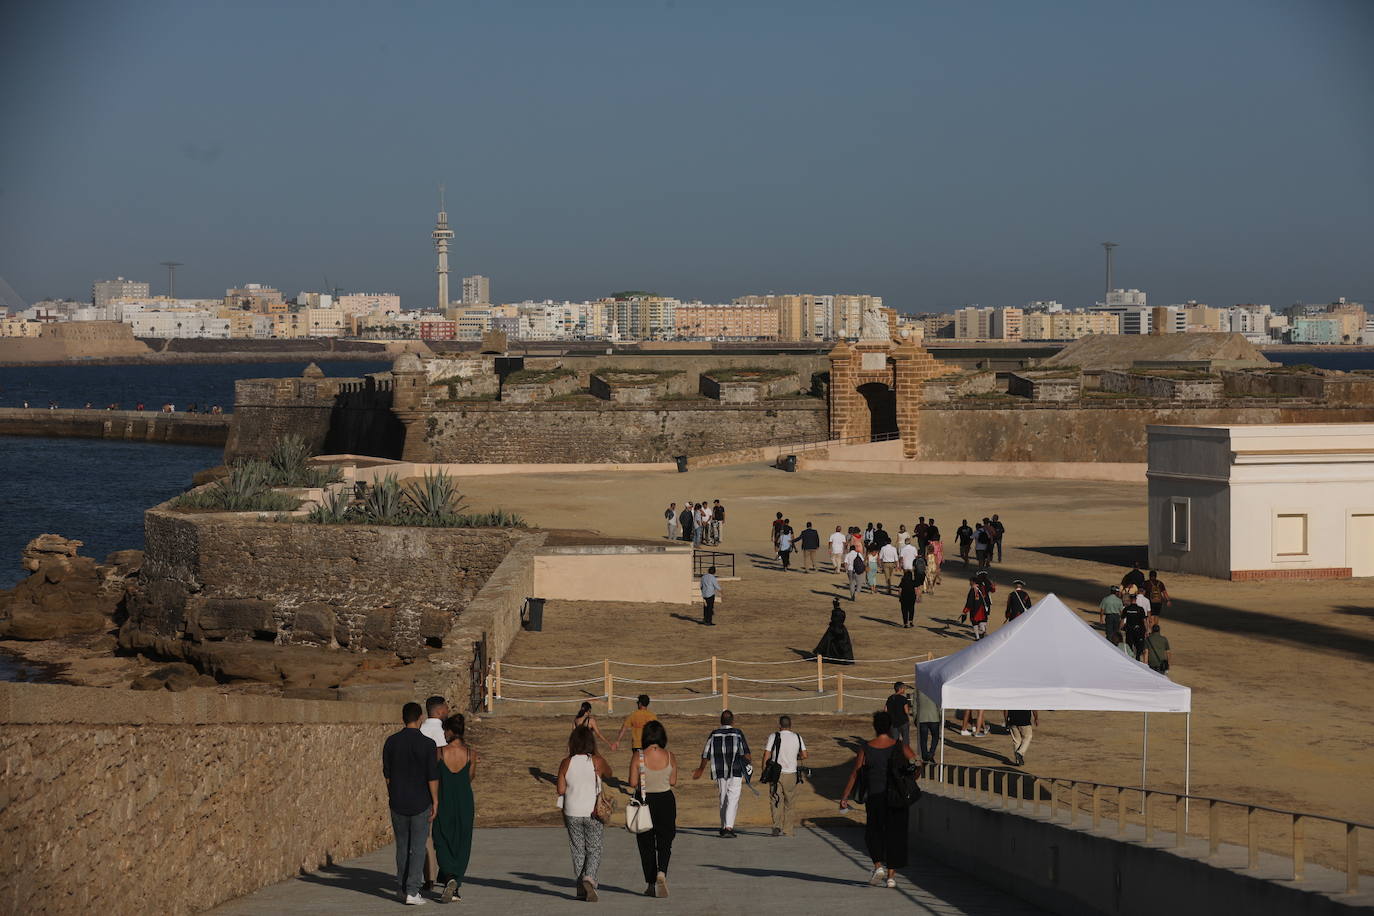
x: 537, y: 376
x: 747, y: 374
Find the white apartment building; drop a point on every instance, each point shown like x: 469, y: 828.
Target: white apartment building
x: 1067, y: 325
x: 1007, y: 323
x: 973, y: 323
x: 167, y: 323
x: 366, y: 303
x: 1120, y: 297
x: 1250, y: 320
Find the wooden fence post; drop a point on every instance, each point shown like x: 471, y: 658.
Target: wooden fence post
x: 713, y: 674
x: 1145, y: 813
x: 610, y: 686
x: 489, y: 692
x: 1213, y: 828
x: 1180, y: 821
x: 1120, y: 810
x: 820, y: 674
x: 498, y: 678
x: 1297, y: 848
x: 839, y: 692
x: 725, y: 691
x: 1352, y: 859
x: 1252, y: 837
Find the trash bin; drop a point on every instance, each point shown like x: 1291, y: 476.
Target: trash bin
x: 532, y: 616
x: 681, y: 463
x: 790, y: 463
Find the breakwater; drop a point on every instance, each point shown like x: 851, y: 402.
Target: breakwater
x: 130, y: 425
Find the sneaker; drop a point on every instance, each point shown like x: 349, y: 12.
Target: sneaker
x: 730, y: 833
x: 1020, y: 761
x: 891, y: 882
x: 777, y: 831
x: 414, y: 900
x: 721, y: 831
x: 661, y: 885
x: 876, y: 879
x: 449, y: 891
x: 975, y: 734
x: 651, y: 891
x: 965, y: 732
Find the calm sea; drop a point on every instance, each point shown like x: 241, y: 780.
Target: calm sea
x: 95, y: 490
x: 1323, y: 360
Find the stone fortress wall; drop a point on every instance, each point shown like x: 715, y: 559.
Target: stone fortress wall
x: 128, y: 803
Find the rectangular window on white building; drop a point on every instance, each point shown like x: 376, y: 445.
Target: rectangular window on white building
x: 1290, y: 534
x: 1179, y: 522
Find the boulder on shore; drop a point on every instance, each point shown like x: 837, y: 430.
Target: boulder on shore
x: 65, y: 594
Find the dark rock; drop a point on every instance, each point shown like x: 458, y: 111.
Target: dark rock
x: 435, y: 623
x: 290, y: 666
x: 223, y: 618
x: 209, y: 475
x: 377, y: 629
x: 178, y: 676
x: 106, y: 643
x: 314, y: 623
x: 309, y: 693
x: 126, y: 563
x: 146, y: 683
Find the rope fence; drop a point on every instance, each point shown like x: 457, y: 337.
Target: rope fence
x: 829, y: 685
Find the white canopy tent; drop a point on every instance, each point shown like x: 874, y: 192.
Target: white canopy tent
x: 1049, y: 659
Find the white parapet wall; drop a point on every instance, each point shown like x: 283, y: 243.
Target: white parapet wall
x: 650, y: 574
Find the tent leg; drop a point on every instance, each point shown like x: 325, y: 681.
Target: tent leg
x: 1144, y: 750
x: 1187, y: 764
x: 942, y: 745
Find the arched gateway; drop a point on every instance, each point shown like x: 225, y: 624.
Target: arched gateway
x: 875, y: 390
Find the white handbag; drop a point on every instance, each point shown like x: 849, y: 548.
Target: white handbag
x: 637, y: 816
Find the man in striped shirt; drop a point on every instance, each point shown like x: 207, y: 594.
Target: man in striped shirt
x: 728, y: 753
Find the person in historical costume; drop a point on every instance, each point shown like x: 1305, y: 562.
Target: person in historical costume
x: 835, y: 645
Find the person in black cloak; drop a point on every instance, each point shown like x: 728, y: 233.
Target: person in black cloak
x: 835, y: 645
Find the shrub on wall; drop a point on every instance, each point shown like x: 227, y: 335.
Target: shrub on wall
x: 433, y: 501
x: 247, y: 488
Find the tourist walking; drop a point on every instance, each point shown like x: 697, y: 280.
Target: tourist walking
x: 982, y: 539
x: 1133, y: 624
x: 1157, y: 595
x: 410, y: 767
x: 1021, y: 726
x: 785, y: 545
x: 999, y: 533
x: 1157, y: 654
x: 885, y: 833
x: 907, y: 555
x: 653, y: 775
x: 838, y: 540
x: 855, y: 567
x: 964, y: 535
x: 727, y: 754
x: 436, y: 711
x: 907, y: 596
x: 784, y: 748
x: 453, y: 824
x: 810, y: 542
x: 778, y: 524
x: 670, y: 518
x: 932, y: 532
x: 887, y: 560
x: 1109, y: 612
x: 927, y: 727
x: 579, y: 790
x: 922, y: 531
x: 835, y: 645
x: 880, y: 536
x: 717, y: 521
x: 1019, y: 601
x: 584, y: 717
x: 871, y: 568
x: 710, y: 594
x: 932, y: 567
x: 1134, y: 577
x: 899, y: 711
x: 634, y: 723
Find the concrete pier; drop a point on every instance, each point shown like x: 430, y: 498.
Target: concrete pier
x: 130, y: 425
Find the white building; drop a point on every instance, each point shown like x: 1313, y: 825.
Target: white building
x: 1125, y: 297
x: 102, y: 291
x: 1263, y: 502
x: 476, y: 290
x: 179, y: 323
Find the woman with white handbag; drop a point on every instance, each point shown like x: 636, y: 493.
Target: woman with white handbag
x: 652, y: 814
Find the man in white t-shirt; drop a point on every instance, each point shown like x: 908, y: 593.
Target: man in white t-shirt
x: 786, y: 747
x: 436, y: 711
x: 837, y: 541
x: 908, y: 557
x: 887, y: 562
x: 855, y: 575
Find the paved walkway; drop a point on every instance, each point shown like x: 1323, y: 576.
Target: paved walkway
x: 526, y: 870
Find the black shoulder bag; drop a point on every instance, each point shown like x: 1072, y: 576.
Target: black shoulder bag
x: 772, y: 771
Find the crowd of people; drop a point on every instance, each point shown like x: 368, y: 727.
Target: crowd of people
x: 700, y: 523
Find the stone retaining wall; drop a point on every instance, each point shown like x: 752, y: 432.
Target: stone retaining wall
x: 118, y: 802
x: 130, y: 425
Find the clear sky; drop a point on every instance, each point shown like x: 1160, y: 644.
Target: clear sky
x: 934, y: 153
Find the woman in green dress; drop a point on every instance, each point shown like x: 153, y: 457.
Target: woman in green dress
x: 452, y: 830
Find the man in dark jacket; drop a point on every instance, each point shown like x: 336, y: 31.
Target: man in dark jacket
x: 810, y: 542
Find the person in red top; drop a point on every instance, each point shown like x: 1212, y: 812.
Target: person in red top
x: 977, y: 607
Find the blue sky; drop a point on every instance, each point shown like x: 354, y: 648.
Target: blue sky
x: 934, y: 153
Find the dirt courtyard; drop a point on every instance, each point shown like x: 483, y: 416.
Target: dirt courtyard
x: 1281, y: 711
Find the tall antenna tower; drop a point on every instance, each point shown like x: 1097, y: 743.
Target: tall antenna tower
x: 171, y: 277
x: 442, y: 234
x: 1108, y: 246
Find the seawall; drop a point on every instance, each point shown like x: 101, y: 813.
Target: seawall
x: 130, y: 425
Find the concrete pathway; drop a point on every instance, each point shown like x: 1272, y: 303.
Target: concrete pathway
x: 527, y: 870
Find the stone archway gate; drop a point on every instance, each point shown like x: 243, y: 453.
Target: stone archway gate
x: 898, y: 364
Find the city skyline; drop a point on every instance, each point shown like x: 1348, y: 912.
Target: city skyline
x: 978, y: 156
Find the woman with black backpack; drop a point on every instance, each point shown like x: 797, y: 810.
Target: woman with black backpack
x: 884, y: 778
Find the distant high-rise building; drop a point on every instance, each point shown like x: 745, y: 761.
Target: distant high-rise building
x: 1125, y: 297
x: 103, y: 291
x: 476, y: 290
x: 973, y: 323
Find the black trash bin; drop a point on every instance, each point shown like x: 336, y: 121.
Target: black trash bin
x: 790, y: 463
x: 681, y: 463
x: 532, y: 616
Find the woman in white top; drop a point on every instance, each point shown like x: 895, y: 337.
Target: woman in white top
x: 579, y: 787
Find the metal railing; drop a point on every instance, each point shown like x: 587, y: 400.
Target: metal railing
x: 1062, y: 794
x: 703, y: 560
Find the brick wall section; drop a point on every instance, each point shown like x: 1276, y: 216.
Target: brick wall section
x: 120, y: 802
x: 603, y: 432
x: 361, y: 587
x: 1253, y: 575
x: 1110, y: 431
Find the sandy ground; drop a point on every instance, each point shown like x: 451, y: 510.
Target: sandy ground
x: 1272, y: 665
